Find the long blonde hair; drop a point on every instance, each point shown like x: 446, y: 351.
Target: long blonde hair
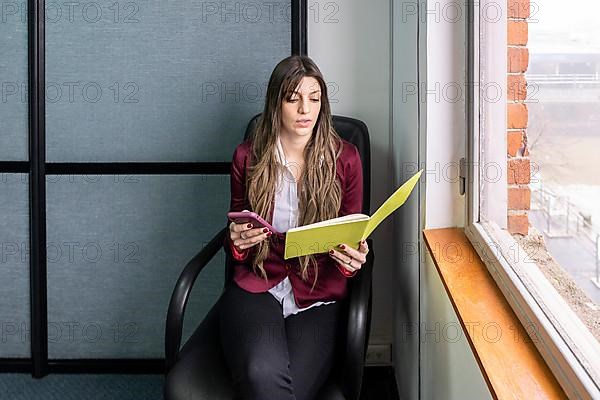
x: 320, y: 192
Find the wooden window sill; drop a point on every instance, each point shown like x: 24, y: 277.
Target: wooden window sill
x: 509, y: 361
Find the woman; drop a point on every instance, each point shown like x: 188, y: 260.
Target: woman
x: 279, y: 318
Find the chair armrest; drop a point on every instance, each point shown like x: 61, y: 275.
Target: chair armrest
x: 359, y: 325
x: 180, y: 295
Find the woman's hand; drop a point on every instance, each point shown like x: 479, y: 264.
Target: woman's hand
x: 244, y: 236
x: 352, y: 260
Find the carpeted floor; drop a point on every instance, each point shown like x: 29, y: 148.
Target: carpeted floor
x: 81, y: 387
x: 378, y: 385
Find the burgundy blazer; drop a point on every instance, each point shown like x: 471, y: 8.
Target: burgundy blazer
x: 332, y: 279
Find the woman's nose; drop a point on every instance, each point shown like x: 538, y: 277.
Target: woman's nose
x: 304, y: 107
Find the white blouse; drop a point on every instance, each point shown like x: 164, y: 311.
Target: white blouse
x: 285, y: 216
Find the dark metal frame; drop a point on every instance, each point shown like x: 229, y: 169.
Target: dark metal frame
x: 37, y: 168
x: 299, y: 21
x: 37, y: 188
x: 18, y: 167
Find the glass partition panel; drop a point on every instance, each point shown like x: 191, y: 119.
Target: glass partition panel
x: 116, y: 246
x: 14, y: 266
x: 158, y: 81
x: 13, y: 75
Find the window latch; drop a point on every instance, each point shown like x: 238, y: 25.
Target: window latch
x: 462, y: 175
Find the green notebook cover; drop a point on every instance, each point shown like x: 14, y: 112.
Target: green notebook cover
x: 322, y: 236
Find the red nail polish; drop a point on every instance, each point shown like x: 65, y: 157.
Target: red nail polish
x: 331, y: 252
x: 342, y: 246
x: 249, y: 225
x: 265, y: 230
x: 269, y: 234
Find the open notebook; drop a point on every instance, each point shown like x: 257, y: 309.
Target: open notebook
x: 322, y: 236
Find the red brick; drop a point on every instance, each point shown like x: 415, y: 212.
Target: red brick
x: 517, y: 116
x: 516, y: 87
x: 519, y: 198
x: 518, y: 8
x: 518, y: 164
x: 514, y: 141
x: 518, y: 171
x: 525, y: 147
x: 518, y: 59
x: 518, y: 223
x: 517, y: 32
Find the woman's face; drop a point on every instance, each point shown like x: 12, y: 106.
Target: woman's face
x: 299, y: 114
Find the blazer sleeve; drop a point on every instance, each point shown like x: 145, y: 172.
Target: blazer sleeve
x: 352, y: 198
x: 238, y: 197
x: 352, y: 184
x: 238, y: 179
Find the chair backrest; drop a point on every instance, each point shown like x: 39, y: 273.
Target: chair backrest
x: 350, y: 129
x: 355, y: 132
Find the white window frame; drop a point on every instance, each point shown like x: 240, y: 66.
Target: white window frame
x: 570, y: 351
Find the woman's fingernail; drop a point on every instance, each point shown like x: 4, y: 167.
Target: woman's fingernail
x: 249, y: 225
x: 362, y: 242
x: 269, y: 234
x: 265, y: 230
x: 331, y: 252
x: 342, y: 246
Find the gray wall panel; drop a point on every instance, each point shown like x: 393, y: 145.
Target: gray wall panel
x: 116, y: 245
x: 14, y: 266
x: 13, y: 81
x: 158, y: 81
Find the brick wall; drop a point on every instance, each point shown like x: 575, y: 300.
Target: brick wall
x: 519, y: 166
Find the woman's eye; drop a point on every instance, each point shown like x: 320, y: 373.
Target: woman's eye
x: 292, y: 100
x: 315, y: 100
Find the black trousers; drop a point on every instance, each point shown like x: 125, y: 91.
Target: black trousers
x: 276, y: 358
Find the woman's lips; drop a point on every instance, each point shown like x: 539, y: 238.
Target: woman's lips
x: 303, y: 124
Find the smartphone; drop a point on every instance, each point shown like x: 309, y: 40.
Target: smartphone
x: 250, y: 216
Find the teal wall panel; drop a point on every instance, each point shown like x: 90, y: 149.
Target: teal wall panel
x: 14, y: 266
x: 158, y: 81
x: 116, y: 245
x: 13, y: 81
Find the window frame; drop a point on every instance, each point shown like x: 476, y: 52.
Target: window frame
x: 527, y: 290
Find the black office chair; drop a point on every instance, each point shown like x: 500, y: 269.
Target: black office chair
x: 198, y: 371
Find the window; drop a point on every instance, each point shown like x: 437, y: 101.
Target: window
x: 532, y: 188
